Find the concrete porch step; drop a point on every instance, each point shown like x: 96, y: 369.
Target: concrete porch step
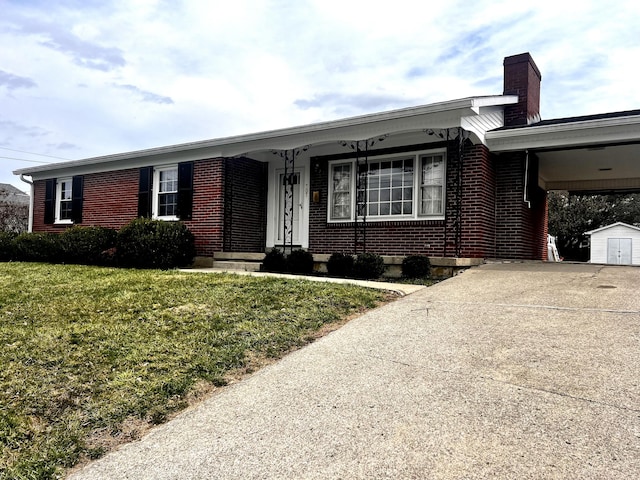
x: 237, y: 265
x: 238, y: 256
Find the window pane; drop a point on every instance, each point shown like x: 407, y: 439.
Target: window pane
x: 341, y: 191
x: 167, y: 203
x: 432, y: 185
x: 431, y: 200
x: 168, y: 181
x: 390, y: 181
x: 65, y: 210
x: 385, y: 181
x: 65, y: 193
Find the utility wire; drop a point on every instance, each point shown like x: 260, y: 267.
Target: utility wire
x: 24, y: 160
x: 32, y: 153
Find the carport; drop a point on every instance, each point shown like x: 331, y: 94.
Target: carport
x: 587, y: 154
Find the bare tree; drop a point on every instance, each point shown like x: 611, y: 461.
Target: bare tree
x: 14, y: 209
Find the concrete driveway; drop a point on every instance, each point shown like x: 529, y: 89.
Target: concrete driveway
x: 506, y: 371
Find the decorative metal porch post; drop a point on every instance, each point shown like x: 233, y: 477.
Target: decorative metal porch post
x: 453, y: 216
x: 289, y: 181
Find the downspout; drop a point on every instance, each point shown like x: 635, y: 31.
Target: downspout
x: 30, y: 227
x: 525, y: 196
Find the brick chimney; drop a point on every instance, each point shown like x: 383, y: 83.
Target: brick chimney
x: 522, y: 78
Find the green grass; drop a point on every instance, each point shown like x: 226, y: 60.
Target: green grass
x: 87, y: 352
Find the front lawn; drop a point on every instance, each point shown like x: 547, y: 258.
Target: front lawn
x: 90, y: 357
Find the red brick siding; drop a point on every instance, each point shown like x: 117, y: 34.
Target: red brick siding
x: 428, y: 237
x: 207, y: 223
x: 111, y: 200
x: 478, y: 203
x: 245, y: 206
x: 520, y: 230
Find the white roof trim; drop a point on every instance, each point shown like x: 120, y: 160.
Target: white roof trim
x: 586, y: 132
x: 435, y: 115
x: 617, y: 224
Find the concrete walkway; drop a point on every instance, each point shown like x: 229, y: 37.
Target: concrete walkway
x: 506, y: 371
x: 400, y: 288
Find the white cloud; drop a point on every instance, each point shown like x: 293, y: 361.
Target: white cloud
x: 86, y: 78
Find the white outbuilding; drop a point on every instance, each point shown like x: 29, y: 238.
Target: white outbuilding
x: 617, y: 244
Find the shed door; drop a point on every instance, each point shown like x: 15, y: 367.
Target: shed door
x: 619, y: 251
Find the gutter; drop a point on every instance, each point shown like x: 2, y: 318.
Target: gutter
x: 31, y: 191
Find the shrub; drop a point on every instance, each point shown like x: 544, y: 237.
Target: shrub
x: 368, y: 265
x: 6, y: 246
x: 38, y: 247
x: 416, y: 266
x: 274, y: 261
x: 300, y: 261
x: 144, y: 243
x: 88, y: 245
x: 340, y: 265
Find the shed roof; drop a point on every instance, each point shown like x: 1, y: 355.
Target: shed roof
x: 617, y: 224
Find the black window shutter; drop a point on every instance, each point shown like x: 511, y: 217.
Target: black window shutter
x: 145, y: 193
x: 185, y: 190
x: 49, y: 200
x: 77, y: 197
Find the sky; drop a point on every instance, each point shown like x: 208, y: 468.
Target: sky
x: 84, y: 78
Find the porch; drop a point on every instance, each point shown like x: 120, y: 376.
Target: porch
x: 441, y: 267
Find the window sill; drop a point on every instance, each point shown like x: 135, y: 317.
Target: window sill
x: 63, y: 222
x: 387, y: 220
x: 167, y: 219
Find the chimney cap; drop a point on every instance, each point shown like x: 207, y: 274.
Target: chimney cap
x: 522, y: 58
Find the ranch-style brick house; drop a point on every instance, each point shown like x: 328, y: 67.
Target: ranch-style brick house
x: 459, y: 180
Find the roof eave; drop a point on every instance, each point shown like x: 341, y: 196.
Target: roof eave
x: 588, y: 132
x: 272, y: 138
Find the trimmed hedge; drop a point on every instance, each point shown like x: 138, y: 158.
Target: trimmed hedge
x: 300, y: 262
x: 144, y: 243
x: 38, y: 247
x: 416, y: 266
x: 7, y: 250
x: 274, y: 261
x: 368, y: 266
x: 88, y: 245
x: 340, y: 265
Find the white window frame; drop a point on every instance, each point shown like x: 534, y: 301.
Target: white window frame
x: 416, y: 194
x: 157, y: 192
x: 59, y: 191
x: 352, y: 188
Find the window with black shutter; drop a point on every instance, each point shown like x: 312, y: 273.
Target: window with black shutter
x: 50, y: 200
x: 185, y: 190
x: 145, y: 192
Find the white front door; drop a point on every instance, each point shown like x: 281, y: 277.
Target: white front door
x: 289, y: 201
x: 619, y: 251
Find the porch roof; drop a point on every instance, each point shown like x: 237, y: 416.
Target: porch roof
x: 588, y: 154
x: 475, y: 114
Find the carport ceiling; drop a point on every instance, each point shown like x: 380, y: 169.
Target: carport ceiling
x: 597, y: 168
